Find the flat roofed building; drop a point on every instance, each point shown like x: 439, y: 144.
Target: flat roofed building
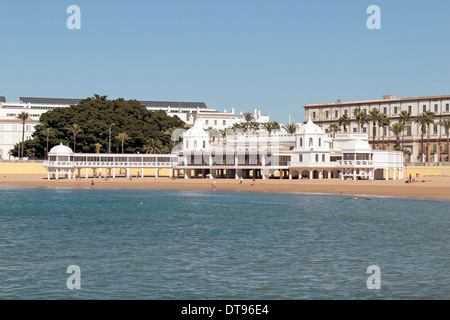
x: 381, y: 137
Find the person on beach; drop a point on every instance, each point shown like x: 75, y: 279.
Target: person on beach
x: 254, y: 181
x: 240, y: 180
x: 92, y: 184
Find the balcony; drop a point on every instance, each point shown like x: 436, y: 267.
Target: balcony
x: 355, y: 163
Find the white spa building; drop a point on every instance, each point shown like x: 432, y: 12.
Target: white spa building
x: 309, y: 153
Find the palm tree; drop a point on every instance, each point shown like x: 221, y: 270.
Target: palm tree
x: 405, y: 117
x: 153, y: 146
x: 75, y: 129
x: 24, y: 116
x: 271, y: 126
x: 344, y: 121
x: 47, y: 132
x: 334, y: 128
x: 122, y: 137
x: 361, y: 118
x: 374, y: 116
x: 291, y: 128
x: 445, y: 123
x: 424, y: 120
x: 397, y: 129
x: 98, y: 146
x: 237, y: 126
x: 421, y: 121
x: 383, y: 122
x: 254, y: 126
x: 248, y: 118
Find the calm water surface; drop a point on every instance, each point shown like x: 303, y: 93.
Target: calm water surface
x: 221, y: 245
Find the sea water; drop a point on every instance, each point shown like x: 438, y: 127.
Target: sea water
x: 172, y: 244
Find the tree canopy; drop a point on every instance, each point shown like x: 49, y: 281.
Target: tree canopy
x: 95, y: 116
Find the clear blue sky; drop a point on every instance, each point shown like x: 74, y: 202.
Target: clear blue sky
x: 273, y: 55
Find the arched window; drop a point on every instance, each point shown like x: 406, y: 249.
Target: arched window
x: 301, y: 142
x: 320, y: 142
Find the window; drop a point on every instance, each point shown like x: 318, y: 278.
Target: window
x: 320, y: 142
x: 204, y: 144
x: 354, y: 130
x: 364, y: 129
x: 424, y: 108
x: 409, y: 109
x: 435, y: 129
x: 395, y: 110
x: 206, y: 122
x: 436, y: 108
x: 447, y: 107
x: 323, y: 158
x: 317, y: 158
x: 384, y: 131
x: 326, y: 114
x: 224, y: 122
x: 336, y: 113
x: 311, y: 142
x: 301, y: 142
x: 300, y: 158
x: 408, y: 131
x: 385, y: 110
x: 345, y: 112
x: 314, y: 115
x: 434, y: 148
x: 215, y: 122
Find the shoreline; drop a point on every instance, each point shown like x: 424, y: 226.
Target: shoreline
x: 433, y: 187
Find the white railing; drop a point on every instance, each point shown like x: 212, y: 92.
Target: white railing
x: 354, y: 163
x: 92, y: 164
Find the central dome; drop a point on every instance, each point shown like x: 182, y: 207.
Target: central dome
x: 196, y: 131
x: 310, y: 128
x: 60, y: 150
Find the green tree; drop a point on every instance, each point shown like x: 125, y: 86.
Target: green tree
x: 383, y: 122
x: 334, y: 128
x: 361, y: 118
x: 94, y: 116
x: 153, y: 146
x: 248, y: 119
x: 397, y: 129
x: 271, y: 126
x: 445, y: 123
x: 23, y: 116
x: 405, y: 118
x: 75, y: 129
x: 46, y: 132
x: 344, y: 121
x: 291, y: 128
x: 374, y: 116
x: 424, y: 120
x: 122, y: 137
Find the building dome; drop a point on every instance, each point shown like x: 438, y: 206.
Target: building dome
x: 61, y: 150
x: 357, y: 146
x: 310, y: 128
x: 196, y: 131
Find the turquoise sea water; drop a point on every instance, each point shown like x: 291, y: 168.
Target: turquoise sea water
x: 220, y: 245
